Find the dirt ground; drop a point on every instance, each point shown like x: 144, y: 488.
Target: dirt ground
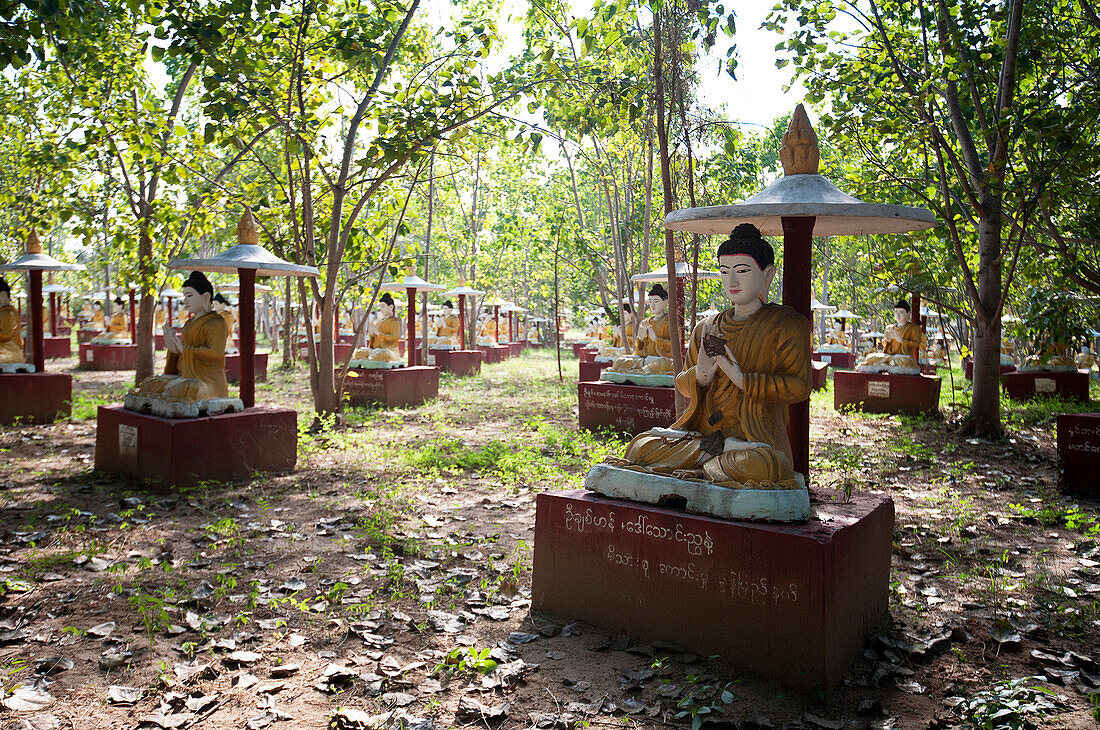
x: 389, y: 575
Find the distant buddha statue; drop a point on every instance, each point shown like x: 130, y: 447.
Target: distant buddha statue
x: 85, y: 315
x: 98, y: 320
x: 1055, y: 359
x: 1085, y: 359
x: 221, y: 307
x: 901, y: 346
x: 487, y: 330
x: 624, y: 333
x: 744, y: 367
x: 159, y: 316
x: 11, y: 336
x: 118, y: 330
x: 195, y: 368
x: 653, y: 346
x: 445, y: 330
x: 383, y: 338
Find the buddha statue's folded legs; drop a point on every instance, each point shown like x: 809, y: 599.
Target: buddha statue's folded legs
x: 739, y: 464
x: 171, y: 388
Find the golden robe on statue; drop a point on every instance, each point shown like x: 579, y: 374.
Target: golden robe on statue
x: 197, y: 373
x: 659, y: 343
x: 487, y: 332
x: 739, y: 437
x: 11, y: 338
x: 383, y: 342
x: 628, y: 327
x: 445, y: 331
x: 899, y: 347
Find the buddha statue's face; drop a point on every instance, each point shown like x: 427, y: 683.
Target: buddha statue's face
x: 386, y: 310
x: 657, y: 305
x: 194, y: 302
x: 901, y: 316
x: 219, y: 307
x: 743, y: 281
x: 448, y: 310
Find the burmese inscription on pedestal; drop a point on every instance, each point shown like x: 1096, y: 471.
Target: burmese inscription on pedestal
x: 627, y: 408
x: 1079, y: 451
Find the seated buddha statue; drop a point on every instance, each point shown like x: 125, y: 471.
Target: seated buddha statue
x: 486, y: 330
x: 98, y: 322
x: 85, y: 315
x: 836, y: 339
x: 445, y: 330
x: 221, y: 307
x: 1085, y: 359
x: 653, y: 346
x: 11, y: 335
x: 1055, y: 359
x: 383, y: 338
x: 195, y: 368
x: 744, y: 367
x: 118, y: 330
x: 159, y: 316
x: 900, y: 345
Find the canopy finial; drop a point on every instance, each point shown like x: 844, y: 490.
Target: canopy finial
x: 248, y: 230
x: 800, y: 154
x: 33, y: 244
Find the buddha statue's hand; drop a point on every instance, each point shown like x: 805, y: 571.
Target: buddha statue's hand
x: 731, y: 368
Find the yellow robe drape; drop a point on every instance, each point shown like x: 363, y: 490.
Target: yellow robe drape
x: 447, y: 328
x: 230, y: 321
x: 11, y: 338
x: 118, y: 324
x: 912, y: 339
x: 386, y: 334
x: 203, y: 356
x: 659, y: 344
x: 98, y: 320
x: 773, y: 349
x: 628, y: 327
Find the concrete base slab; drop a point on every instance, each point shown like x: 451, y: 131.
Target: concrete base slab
x: 1079, y: 452
x: 392, y: 388
x: 375, y: 364
x: 791, y: 603
x: 181, y: 409
x: 16, y: 367
x: 655, y: 380
x: 628, y: 409
x: 183, y: 452
x: 29, y: 397
x: 233, y: 367
x: 701, y: 498
x: 886, y: 393
x: 459, y: 362
x: 57, y: 347
x: 1068, y: 385
x: 890, y: 370
x: 108, y: 357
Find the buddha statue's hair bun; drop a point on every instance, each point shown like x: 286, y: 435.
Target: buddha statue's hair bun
x: 449, y: 303
x: 386, y: 299
x: 219, y: 298
x: 658, y: 290
x: 902, y: 304
x: 5, y: 286
x: 746, y: 240
x: 198, y: 281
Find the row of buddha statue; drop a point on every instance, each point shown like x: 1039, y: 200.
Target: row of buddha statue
x: 386, y: 330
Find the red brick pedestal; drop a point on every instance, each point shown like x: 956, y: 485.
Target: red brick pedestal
x: 968, y: 368
x: 1079, y: 452
x: 886, y: 393
x: 820, y: 374
x: 577, y: 347
x: 515, y: 349
x: 591, y: 370
x: 1072, y: 385
x: 185, y: 451
x: 494, y: 353
x: 459, y: 362
x: 837, y: 360
x: 56, y: 347
x: 393, y: 387
x: 108, y: 357
x: 233, y: 367
x: 629, y: 409
x: 340, y: 351
x: 35, y: 397
x: 158, y: 342
x: 792, y: 603
x: 588, y: 354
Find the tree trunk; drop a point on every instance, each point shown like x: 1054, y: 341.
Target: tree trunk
x: 144, y: 327
x: 985, y: 410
